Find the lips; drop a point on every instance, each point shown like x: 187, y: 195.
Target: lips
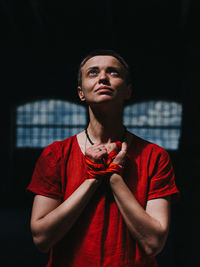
x: 104, y: 89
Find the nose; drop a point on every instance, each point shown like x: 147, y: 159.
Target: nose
x: 103, y: 78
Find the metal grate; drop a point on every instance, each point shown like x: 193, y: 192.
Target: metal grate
x: 156, y: 121
x: 42, y: 122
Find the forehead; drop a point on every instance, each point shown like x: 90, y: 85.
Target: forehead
x: 102, y: 61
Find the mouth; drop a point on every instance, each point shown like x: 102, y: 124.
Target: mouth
x: 104, y: 89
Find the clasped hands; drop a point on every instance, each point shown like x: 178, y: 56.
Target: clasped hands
x: 103, y: 160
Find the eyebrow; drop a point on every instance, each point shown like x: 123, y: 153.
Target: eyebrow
x: 108, y: 68
x: 92, y: 68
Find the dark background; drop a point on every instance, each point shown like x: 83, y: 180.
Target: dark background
x: 42, y: 43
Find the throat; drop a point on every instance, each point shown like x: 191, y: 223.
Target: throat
x: 106, y: 138
x: 105, y: 127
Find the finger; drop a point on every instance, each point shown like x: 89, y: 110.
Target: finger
x: 120, y: 158
x: 101, y: 149
x: 101, y: 152
x: 97, y: 148
x: 124, y: 147
x: 99, y: 145
x: 96, y: 152
x: 123, y: 150
x: 111, y: 147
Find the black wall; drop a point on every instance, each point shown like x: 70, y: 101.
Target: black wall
x: 41, y: 46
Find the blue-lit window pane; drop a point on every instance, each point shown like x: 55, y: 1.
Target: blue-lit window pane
x: 42, y: 122
x: 156, y: 121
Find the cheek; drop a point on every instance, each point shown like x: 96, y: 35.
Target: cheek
x: 123, y: 91
x: 88, y: 85
x: 121, y: 87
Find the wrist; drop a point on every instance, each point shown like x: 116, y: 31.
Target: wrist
x: 94, y: 181
x: 115, y: 178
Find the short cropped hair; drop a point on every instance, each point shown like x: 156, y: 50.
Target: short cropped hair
x: 103, y: 52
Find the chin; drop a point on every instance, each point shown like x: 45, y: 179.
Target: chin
x: 105, y: 100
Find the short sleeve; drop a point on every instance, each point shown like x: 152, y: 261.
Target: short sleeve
x: 46, y: 178
x: 162, y: 180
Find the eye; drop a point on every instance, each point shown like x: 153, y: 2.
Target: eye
x: 92, y: 72
x: 114, y: 72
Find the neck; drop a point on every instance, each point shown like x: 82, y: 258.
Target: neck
x: 105, y: 126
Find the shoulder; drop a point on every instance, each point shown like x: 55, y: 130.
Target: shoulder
x: 146, y: 148
x: 59, y: 149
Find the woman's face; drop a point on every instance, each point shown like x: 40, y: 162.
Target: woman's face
x: 104, y: 80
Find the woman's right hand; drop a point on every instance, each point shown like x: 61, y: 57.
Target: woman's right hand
x: 96, y: 152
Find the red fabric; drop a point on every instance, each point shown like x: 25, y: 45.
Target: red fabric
x: 100, y: 170
x: 100, y: 237
x: 95, y: 170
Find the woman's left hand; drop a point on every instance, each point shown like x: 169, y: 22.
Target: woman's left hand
x: 121, y: 156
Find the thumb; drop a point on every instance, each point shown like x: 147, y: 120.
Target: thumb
x: 119, y: 159
x: 124, y: 146
x: 123, y: 150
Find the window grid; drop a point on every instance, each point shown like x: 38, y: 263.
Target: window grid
x: 156, y: 121
x: 42, y: 122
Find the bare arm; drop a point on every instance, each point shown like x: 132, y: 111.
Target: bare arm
x: 148, y: 227
x: 51, y: 219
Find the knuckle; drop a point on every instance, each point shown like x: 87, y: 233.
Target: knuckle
x: 96, y: 157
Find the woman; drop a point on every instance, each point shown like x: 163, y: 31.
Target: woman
x: 102, y: 197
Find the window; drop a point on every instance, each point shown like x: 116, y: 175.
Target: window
x: 42, y: 122
x: 156, y: 121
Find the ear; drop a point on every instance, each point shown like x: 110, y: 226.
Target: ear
x: 81, y: 93
x: 129, y: 91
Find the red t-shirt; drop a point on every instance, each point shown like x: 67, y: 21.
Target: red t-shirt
x: 100, y: 237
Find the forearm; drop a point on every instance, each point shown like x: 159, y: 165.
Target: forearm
x: 52, y: 227
x: 145, y: 229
